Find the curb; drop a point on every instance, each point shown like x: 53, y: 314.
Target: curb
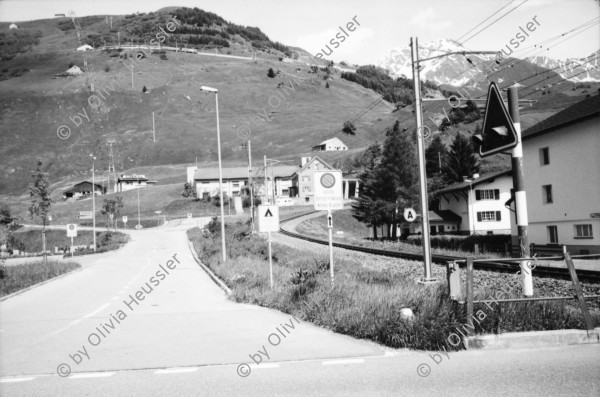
x: 210, y: 273
x: 533, y: 339
x: 19, y: 292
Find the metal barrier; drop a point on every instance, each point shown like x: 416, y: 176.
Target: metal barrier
x: 455, y: 287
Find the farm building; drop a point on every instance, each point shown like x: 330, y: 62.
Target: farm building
x: 333, y: 144
x: 83, y: 189
x: 130, y: 182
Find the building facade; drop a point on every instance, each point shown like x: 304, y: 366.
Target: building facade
x: 561, y: 157
x: 480, y: 205
x: 333, y: 144
x: 130, y: 182
x: 83, y: 189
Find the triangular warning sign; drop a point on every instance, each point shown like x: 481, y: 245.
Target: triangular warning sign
x: 268, y: 213
x: 498, y: 132
x: 409, y: 215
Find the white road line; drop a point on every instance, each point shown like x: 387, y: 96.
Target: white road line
x: 96, y: 311
x: 265, y: 366
x: 176, y: 370
x: 13, y: 380
x: 92, y: 375
x: 348, y: 361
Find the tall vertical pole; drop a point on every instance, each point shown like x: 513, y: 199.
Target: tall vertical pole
x: 266, y: 186
x: 270, y: 261
x: 138, y: 192
x: 421, y: 157
x: 330, y: 227
x: 520, y: 195
x: 94, y: 201
x: 250, y: 181
x: 153, y: 128
x: 223, y: 248
x: 132, y: 77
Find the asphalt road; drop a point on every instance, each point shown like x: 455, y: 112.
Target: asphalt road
x: 178, y: 334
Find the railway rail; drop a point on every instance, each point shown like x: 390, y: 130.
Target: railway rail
x: 498, y: 266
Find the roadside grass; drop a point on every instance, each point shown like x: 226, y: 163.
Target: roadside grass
x: 366, y: 301
x: 31, y: 240
x: 17, y: 277
x: 356, y: 233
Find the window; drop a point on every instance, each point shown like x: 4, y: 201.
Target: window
x: 236, y: 184
x: 488, y: 216
x: 583, y: 231
x: 544, y: 156
x: 488, y: 194
x: 552, y: 234
x: 547, y: 194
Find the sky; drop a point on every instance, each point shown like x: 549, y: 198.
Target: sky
x: 380, y: 24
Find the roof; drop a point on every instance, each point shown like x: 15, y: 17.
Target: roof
x: 589, y: 107
x: 78, y: 187
x: 444, y: 215
x: 329, y: 140
x: 312, y: 160
x: 132, y: 177
x: 482, y: 179
x: 281, y: 171
x: 84, y: 47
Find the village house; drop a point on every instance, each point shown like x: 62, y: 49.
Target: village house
x: 83, y: 189
x: 333, y: 144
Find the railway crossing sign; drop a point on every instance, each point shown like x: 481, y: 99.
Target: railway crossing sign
x: 71, y: 230
x: 498, y: 132
x: 328, y: 194
x: 410, y: 214
x: 268, y: 218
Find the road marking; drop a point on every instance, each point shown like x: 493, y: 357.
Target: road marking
x: 350, y: 361
x: 92, y: 375
x: 176, y: 370
x: 13, y: 380
x: 96, y: 311
x: 265, y: 366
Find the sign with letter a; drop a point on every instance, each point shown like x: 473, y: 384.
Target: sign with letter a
x: 268, y: 218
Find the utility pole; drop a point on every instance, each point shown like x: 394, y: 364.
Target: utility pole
x: 94, y: 200
x: 520, y: 195
x: 250, y: 181
x: 427, y: 278
x: 153, y: 128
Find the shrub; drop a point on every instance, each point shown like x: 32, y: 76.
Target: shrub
x: 271, y: 73
x: 326, y: 85
x: 163, y: 57
x: 107, y: 68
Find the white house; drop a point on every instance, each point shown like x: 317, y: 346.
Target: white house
x: 329, y: 145
x: 13, y: 26
x: 130, y: 182
x: 479, y: 204
x: 561, y: 157
x: 85, y: 47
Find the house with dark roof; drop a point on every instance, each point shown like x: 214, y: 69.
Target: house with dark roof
x: 83, y: 189
x: 479, y: 202
x: 561, y: 157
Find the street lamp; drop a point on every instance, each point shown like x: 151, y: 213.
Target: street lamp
x: 94, y: 199
x: 216, y: 92
x: 471, y: 200
x: 421, y: 135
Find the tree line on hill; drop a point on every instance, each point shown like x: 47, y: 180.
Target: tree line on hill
x: 388, y: 176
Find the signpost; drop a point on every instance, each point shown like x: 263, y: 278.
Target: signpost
x: 329, y: 196
x: 125, y: 221
x: 71, y: 232
x: 84, y: 215
x: 268, y: 221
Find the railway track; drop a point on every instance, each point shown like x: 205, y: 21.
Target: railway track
x: 499, y: 266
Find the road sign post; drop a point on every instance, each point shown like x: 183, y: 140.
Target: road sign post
x: 71, y: 232
x: 125, y: 221
x: 329, y: 196
x: 268, y: 221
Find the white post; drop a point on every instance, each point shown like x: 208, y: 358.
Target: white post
x: 71, y: 246
x: 331, y: 250
x: 153, y: 128
x: 220, y: 180
x: 94, y: 202
x: 270, y: 261
x: 138, y: 192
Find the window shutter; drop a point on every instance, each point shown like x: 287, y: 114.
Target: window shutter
x: 498, y: 217
x: 497, y: 194
x: 477, y: 194
x: 479, y: 217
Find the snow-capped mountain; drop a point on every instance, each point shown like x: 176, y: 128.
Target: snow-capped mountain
x: 471, y: 70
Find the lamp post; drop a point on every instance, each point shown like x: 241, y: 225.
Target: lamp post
x: 472, y: 201
x: 216, y: 92
x: 416, y: 64
x: 94, y: 199
x: 139, y: 225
